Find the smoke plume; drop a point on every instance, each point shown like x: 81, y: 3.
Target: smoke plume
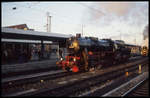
x: 145, y: 32
x: 106, y: 12
x: 117, y: 8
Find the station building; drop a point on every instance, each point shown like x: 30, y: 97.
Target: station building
x: 21, y: 44
x: 20, y: 26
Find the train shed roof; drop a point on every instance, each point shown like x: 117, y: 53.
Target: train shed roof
x: 12, y: 33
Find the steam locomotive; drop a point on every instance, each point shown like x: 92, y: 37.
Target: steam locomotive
x: 86, y: 53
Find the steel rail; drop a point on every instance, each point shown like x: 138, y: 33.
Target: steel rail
x: 26, y: 78
x: 62, y: 87
x: 134, y: 88
x: 54, y: 76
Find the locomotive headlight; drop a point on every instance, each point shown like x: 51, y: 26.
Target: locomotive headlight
x: 75, y: 44
x: 61, y: 59
x: 74, y: 59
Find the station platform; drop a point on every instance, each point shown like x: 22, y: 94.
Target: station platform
x: 33, y: 65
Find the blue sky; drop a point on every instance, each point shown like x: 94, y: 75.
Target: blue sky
x: 99, y: 19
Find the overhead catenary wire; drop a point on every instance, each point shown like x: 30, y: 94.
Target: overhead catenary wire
x: 62, y: 18
x: 92, y: 8
x: 45, y: 11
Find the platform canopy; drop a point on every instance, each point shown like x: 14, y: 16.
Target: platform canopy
x: 11, y: 33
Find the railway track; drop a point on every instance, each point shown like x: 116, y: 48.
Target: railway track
x: 55, y: 86
x: 27, y: 72
x: 141, y: 89
x: 31, y: 78
x: 14, y: 81
x: 126, y: 87
x: 55, y: 68
x: 75, y: 88
x: 69, y: 88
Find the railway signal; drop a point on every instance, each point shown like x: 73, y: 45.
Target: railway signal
x: 140, y: 69
x: 127, y: 74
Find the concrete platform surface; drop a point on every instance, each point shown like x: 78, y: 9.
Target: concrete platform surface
x: 28, y: 66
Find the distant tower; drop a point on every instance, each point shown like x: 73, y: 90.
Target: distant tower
x: 48, y: 22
